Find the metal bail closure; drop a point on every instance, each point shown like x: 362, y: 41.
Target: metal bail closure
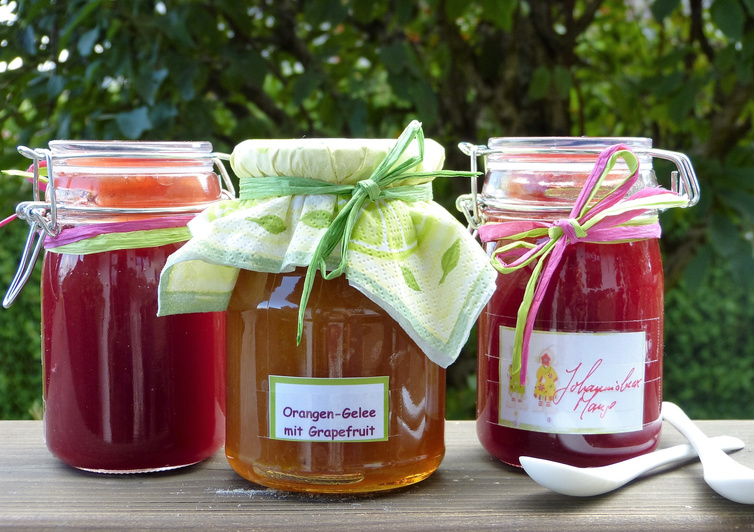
x: 217, y: 158
x: 468, y: 204
x: 26, y: 266
x: 688, y: 185
x: 40, y: 223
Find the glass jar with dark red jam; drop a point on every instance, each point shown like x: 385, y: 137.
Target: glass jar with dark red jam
x: 589, y: 392
x: 124, y: 391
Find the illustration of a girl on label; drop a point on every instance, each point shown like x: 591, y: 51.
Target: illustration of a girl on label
x: 544, y: 388
x: 516, y: 390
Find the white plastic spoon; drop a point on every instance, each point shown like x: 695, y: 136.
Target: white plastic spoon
x: 590, y: 481
x: 727, y: 477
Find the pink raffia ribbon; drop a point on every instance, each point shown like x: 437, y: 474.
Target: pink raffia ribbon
x: 613, y: 219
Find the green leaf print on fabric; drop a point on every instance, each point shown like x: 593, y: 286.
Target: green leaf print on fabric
x: 410, y: 279
x: 273, y: 224
x: 318, y: 219
x: 450, y: 259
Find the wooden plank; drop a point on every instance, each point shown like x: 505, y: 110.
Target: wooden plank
x: 471, y: 490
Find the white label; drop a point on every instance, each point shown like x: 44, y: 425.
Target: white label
x: 339, y: 410
x: 588, y: 383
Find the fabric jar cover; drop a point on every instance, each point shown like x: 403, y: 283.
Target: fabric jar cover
x: 405, y: 252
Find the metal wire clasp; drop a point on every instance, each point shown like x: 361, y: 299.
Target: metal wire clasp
x: 688, y: 184
x: 42, y: 219
x: 217, y: 158
x: 469, y: 204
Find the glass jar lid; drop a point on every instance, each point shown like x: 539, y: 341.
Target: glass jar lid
x: 126, y: 157
x: 546, y: 174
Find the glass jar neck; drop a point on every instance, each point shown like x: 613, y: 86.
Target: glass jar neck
x: 93, y: 179
x: 541, y: 177
x: 131, y: 157
x: 564, y: 145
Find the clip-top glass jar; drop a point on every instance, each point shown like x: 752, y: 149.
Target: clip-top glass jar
x: 124, y: 391
x: 589, y: 392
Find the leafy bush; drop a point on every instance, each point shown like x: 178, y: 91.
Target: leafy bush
x: 709, y: 367
x: 681, y: 73
x: 20, y: 351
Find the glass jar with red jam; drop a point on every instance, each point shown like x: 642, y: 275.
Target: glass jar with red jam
x: 586, y: 388
x: 124, y: 391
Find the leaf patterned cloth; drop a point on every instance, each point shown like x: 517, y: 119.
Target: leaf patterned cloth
x: 412, y: 258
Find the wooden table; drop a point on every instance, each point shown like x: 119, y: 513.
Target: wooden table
x: 470, y: 491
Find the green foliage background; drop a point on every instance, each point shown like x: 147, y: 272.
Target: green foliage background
x: 226, y: 70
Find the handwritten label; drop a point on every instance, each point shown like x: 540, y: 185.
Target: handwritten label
x: 338, y: 410
x: 588, y: 383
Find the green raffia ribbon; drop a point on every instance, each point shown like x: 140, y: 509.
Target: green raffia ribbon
x: 376, y: 187
x: 253, y: 188
x: 125, y: 240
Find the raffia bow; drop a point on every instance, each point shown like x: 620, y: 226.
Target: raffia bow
x: 381, y: 184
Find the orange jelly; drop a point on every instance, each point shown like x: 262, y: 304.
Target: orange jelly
x: 346, y: 336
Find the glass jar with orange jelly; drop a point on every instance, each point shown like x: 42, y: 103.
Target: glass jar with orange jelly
x: 348, y: 291
x: 124, y: 391
x: 570, y: 345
